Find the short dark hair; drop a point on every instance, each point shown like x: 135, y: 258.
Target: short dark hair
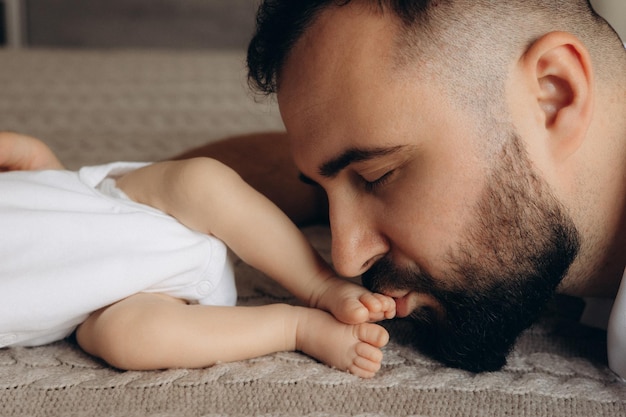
x: 279, y: 25
x: 511, y: 23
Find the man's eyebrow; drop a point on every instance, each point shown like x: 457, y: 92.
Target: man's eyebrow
x: 334, y: 166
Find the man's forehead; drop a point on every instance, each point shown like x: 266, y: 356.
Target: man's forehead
x: 342, y: 61
x: 341, y: 42
x: 339, y: 88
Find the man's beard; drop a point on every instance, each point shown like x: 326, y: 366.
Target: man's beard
x: 510, y: 261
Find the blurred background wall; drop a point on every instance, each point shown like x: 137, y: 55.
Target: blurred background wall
x: 156, y: 23
x: 187, y: 24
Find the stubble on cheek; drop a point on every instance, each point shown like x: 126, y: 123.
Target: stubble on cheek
x: 498, y: 279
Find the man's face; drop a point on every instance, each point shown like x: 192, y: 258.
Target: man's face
x: 510, y: 259
x: 462, y: 237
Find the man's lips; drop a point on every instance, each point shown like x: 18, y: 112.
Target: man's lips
x: 406, y: 301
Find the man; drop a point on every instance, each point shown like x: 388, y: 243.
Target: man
x: 471, y: 153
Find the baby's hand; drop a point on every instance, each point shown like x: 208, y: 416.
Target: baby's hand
x: 351, y: 303
x: 22, y: 153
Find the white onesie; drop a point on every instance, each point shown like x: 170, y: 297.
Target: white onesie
x: 71, y: 243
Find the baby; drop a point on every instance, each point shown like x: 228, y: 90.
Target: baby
x: 133, y: 258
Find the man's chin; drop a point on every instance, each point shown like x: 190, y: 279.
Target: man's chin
x: 454, y: 350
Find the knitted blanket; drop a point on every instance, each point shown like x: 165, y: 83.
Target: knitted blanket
x: 94, y: 107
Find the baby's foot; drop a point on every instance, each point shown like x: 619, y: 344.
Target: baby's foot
x: 352, y: 348
x: 353, y: 304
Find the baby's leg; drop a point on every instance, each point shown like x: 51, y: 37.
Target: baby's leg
x: 152, y: 331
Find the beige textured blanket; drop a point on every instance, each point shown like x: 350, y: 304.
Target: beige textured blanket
x: 93, y: 107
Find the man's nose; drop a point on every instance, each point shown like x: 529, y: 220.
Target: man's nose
x: 357, y: 242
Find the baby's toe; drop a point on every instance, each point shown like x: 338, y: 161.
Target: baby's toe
x: 372, y: 302
x: 367, y: 362
x: 352, y: 312
x: 369, y: 353
x: 372, y: 334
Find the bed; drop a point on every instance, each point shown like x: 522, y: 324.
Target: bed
x: 96, y: 106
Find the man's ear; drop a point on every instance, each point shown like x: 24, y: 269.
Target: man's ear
x: 559, y: 69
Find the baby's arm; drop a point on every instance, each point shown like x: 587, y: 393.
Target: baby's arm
x: 208, y: 196
x: 24, y: 153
